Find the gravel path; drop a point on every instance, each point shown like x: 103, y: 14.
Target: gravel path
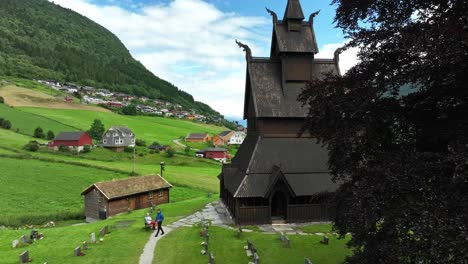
x: 148, y: 252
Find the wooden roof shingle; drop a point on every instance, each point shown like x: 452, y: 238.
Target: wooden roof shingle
x: 130, y: 186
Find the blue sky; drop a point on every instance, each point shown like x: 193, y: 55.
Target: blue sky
x: 190, y: 43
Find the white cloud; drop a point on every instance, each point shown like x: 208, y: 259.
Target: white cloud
x: 189, y: 43
x: 348, y: 58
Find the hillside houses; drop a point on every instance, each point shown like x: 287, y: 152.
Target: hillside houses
x: 73, y: 140
x: 118, y: 137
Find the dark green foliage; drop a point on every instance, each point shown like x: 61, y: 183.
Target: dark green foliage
x: 50, y: 135
x: 170, y: 152
x: 155, y: 143
x: 140, y: 142
x: 39, y: 133
x: 2, y: 100
x: 400, y: 153
x: 63, y: 148
x: 32, y: 146
x: 41, y: 40
x: 97, y: 130
x: 129, y: 149
x: 129, y: 110
x: 86, y: 149
x: 5, y: 123
x: 187, y: 150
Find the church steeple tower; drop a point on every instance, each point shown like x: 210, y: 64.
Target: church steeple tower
x: 293, y: 15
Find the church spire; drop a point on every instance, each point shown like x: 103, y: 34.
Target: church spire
x: 293, y: 11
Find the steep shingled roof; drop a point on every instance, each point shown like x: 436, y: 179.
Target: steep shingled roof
x: 70, y: 135
x: 293, y: 10
x: 197, y: 135
x: 126, y: 187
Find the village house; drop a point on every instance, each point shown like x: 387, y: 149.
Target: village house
x: 118, y: 137
x: 115, y: 104
x: 72, y: 140
x: 237, y: 138
x: 198, y: 137
x: 279, y: 174
x: 106, y: 199
x: 222, y: 138
x: 220, y: 154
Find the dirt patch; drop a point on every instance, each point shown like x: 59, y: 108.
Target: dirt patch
x: 17, y: 96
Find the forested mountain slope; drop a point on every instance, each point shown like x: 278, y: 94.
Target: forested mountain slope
x: 39, y: 39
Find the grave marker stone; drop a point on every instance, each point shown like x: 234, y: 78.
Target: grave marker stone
x: 239, y: 232
x: 325, y: 240
x: 14, y: 243
x: 24, y: 257
x: 307, y: 261
x: 256, y: 258
x: 24, y: 239
x: 85, y: 245
x: 77, y: 252
x: 93, y: 238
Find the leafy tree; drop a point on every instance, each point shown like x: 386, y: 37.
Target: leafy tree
x: 97, y: 130
x: 170, y: 152
x: 39, y: 133
x: 187, y: 150
x: 63, y: 148
x: 6, y: 124
x: 50, y: 135
x: 140, y: 142
x: 86, y: 149
x: 396, y: 129
x: 32, y: 146
x: 129, y: 110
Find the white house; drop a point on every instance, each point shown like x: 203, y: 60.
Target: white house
x: 237, y: 138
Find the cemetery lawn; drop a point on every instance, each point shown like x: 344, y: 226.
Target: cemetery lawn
x: 183, y: 246
x: 123, y: 245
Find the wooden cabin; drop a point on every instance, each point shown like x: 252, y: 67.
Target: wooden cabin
x: 279, y: 174
x: 223, y: 137
x: 106, y: 199
x: 198, y: 137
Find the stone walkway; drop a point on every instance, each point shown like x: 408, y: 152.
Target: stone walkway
x: 217, y: 214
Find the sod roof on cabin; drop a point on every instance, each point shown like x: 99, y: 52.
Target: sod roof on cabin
x: 129, y: 186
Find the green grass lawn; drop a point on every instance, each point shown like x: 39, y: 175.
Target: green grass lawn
x: 26, y: 122
x: 123, y: 245
x: 162, y: 130
x: 317, y: 228
x: 183, y: 246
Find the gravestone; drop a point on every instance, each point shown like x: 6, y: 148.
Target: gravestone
x: 256, y: 258
x: 307, y: 261
x: 284, y: 239
x: 93, y: 238
x: 77, y: 252
x: 104, y: 231
x: 14, y: 243
x: 24, y: 257
x: 85, y: 245
x: 211, y: 258
x: 325, y: 240
x: 24, y: 239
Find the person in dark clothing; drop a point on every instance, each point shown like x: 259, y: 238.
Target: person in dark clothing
x: 159, y: 219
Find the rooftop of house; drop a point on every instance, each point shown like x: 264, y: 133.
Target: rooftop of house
x: 197, y: 135
x: 69, y: 135
x: 129, y: 186
x: 122, y: 129
x: 225, y: 133
x: 214, y: 150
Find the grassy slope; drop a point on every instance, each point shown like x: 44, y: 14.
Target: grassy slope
x: 27, y: 122
x: 123, y: 245
x: 160, y: 129
x: 183, y: 246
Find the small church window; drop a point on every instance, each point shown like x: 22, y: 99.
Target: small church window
x: 160, y: 193
x: 150, y: 195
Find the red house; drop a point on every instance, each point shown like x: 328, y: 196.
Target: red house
x: 220, y: 154
x: 114, y: 104
x: 73, y: 140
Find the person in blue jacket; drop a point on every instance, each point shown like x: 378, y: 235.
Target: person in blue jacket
x: 159, y: 219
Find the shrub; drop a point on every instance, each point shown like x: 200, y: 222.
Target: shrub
x: 128, y: 149
x: 140, y: 142
x: 1, y: 121
x: 6, y: 124
x: 50, y: 135
x: 39, y: 133
x: 155, y: 143
x: 32, y: 146
x: 170, y: 152
x: 141, y: 154
x: 63, y: 148
x: 2, y: 100
x: 187, y: 150
x: 86, y: 149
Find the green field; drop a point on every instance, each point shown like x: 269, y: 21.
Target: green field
x: 26, y: 122
x: 162, y: 130
x: 183, y: 246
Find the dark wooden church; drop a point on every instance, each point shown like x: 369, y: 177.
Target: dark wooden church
x: 279, y: 174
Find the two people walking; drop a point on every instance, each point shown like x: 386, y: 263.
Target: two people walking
x: 158, y: 219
